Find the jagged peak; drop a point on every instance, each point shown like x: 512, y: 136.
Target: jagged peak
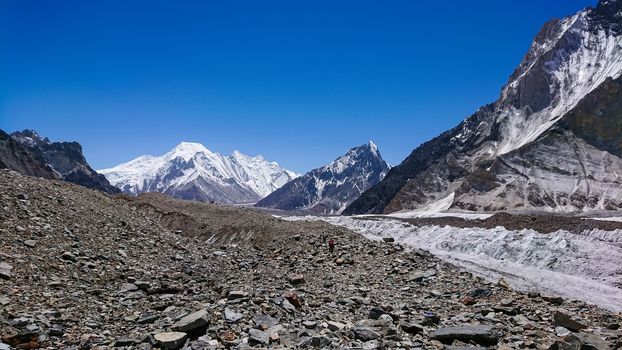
x: 30, y: 137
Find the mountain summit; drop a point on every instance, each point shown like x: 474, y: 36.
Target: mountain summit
x: 548, y: 143
x: 191, y: 171
x: 331, y: 188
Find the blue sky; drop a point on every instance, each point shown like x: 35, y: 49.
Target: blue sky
x: 299, y: 82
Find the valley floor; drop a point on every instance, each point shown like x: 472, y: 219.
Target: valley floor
x: 84, y: 270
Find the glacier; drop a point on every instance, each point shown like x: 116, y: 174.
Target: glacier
x: 584, y: 266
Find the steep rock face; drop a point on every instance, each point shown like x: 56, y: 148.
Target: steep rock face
x: 329, y: 189
x: 575, y: 165
x: 191, y: 171
x: 16, y: 157
x: 567, y: 60
x: 66, y: 159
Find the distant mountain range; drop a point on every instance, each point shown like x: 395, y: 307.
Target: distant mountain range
x: 329, y: 189
x: 551, y: 142
x: 31, y: 154
x: 191, y: 171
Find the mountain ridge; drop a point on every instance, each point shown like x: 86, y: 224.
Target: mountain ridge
x: 328, y: 189
x: 191, y: 171
x: 567, y: 60
x: 65, y: 159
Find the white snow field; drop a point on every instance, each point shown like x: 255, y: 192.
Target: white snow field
x: 584, y: 267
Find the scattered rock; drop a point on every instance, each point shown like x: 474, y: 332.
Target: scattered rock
x: 5, y: 270
x: 296, y: 279
x: 564, y: 319
x: 30, y: 243
x: 170, y: 340
x: 365, y: 333
x: 258, y: 337
x: 293, y: 299
x: 480, y: 334
x: 232, y: 316
x: 192, y: 321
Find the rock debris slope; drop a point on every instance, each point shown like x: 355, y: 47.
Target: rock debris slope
x: 80, y: 270
x: 331, y: 188
x: 191, y: 171
x: 533, y: 148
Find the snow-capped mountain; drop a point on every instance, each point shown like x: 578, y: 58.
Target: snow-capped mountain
x: 65, y: 159
x: 523, y: 151
x: 329, y: 189
x: 191, y: 171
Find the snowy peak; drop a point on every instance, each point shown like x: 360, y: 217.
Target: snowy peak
x: 329, y: 189
x: 187, y: 150
x: 191, y: 171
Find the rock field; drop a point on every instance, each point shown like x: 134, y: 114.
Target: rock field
x: 83, y: 270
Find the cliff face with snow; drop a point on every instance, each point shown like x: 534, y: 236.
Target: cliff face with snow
x: 329, y: 189
x: 529, y: 149
x: 191, y: 171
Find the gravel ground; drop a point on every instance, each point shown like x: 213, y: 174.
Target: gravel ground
x: 82, y: 270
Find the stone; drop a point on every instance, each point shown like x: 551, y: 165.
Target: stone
x: 255, y: 337
x: 503, y: 283
x: 320, y: 341
x: 5, y: 271
x: 28, y: 340
x: 479, y: 293
x: 309, y: 324
x: 68, y: 257
x: 237, y: 294
x: 564, y: 319
x: 125, y: 342
x: 388, y: 239
x: 296, y: 279
x: 192, y: 321
x: 480, y: 334
x: 30, y: 243
x: 468, y: 300
x: 419, y: 276
x: 372, y: 345
x: 580, y: 341
x: 145, y: 319
x: 375, y: 312
x: 335, y: 326
x: 170, y: 340
x: 587, y: 341
x: 365, y: 333
x: 553, y: 299
x: 561, y: 331
x: 143, y: 285
x: 506, y: 302
x: 293, y: 298
x: 264, y: 322
x: 232, y: 316
x: 411, y: 328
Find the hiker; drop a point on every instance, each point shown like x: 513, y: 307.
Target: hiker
x: 331, y: 245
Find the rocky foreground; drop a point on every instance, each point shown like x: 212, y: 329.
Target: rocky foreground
x: 83, y: 270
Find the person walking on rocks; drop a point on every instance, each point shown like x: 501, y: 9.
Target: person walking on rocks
x: 331, y: 245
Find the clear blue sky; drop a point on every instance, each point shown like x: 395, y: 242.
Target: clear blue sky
x: 299, y: 82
